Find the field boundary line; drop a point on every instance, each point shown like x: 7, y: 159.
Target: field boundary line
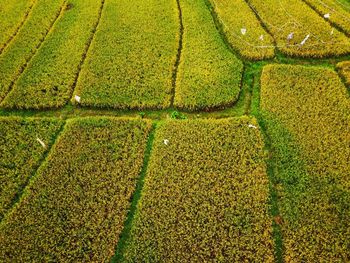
x: 23, y: 67
x: 41, y: 162
x: 125, y: 234
x: 87, y: 47
x: 19, y: 27
x: 331, y: 23
x: 178, y: 55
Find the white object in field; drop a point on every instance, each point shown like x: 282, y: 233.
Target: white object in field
x: 327, y: 15
x: 41, y: 142
x: 77, y: 98
x: 290, y: 36
x: 261, y: 37
x: 252, y: 126
x: 305, y: 39
x: 166, y: 141
x: 243, y: 31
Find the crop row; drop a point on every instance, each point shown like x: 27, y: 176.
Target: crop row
x: 49, y: 78
x: 12, y: 16
x: 344, y: 68
x: 21, y: 153
x: 209, y: 74
x: 31, y: 35
x: 307, y: 111
x: 131, y: 59
x: 243, y: 30
x: 205, y: 196
x: 334, y: 11
x: 298, y: 30
x: 75, y: 206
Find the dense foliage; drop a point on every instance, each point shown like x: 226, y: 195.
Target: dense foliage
x: 338, y: 13
x: 344, y: 68
x: 21, y: 153
x: 130, y: 63
x: 235, y: 16
x: 14, y: 58
x: 285, y: 17
x: 307, y: 113
x: 205, y: 195
x: 49, y: 78
x: 75, y: 207
x: 209, y: 74
x: 12, y: 15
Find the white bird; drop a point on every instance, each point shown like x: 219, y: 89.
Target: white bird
x: 290, y: 36
x: 243, y: 31
x: 305, y: 39
x: 327, y: 15
x: 252, y: 126
x: 41, y: 142
x: 77, y: 98
x: 261, y: 37
x: 166, y: 141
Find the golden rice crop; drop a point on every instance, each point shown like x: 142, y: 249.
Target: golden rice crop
x: 310, y: 35
x: 344, y: 68
x: 14, y: 58
x: 74, y: 209
x: 209, y: 75
x: 131, y: 59
x: 12, y: 16
x: 50, y: 76
x: 21, y: 153
x: 205, y: 195
x: 254, y: 43
x: 307, y: 111
x: 337, y: 12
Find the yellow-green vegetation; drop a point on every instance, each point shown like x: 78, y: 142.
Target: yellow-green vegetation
x: 307, y: 114
x: 131, y: 59
x: 49, y: 78
x: 209, y: 75
x: 74, y: 209
x: 310, y: 35
x: 12, y: 16
x: 16, y: 56
x: 235, y: 15
x: 344, y: 68
x: 338, y: 13
x: 205, y: 196
x: 21, y: 153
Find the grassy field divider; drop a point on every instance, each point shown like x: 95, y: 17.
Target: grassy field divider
x: 179, y: 51
x: 27, y: 13
x: 22, y: 190
x: 125, y: 234
x: 13, y: 76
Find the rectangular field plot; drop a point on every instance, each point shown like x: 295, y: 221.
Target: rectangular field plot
x: 209, y: 75
x: 75, y: 207
x: 21, y: 151
x: 243, y: 30
x: 307, y: 113
x: 15, y: 57
x: 205, y: 195
x: 299, y: 30
x: 131, y: 59
x: 12, y: 16
x: 334, y: 10
x: 49, y: 78
x: 344, y: 68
